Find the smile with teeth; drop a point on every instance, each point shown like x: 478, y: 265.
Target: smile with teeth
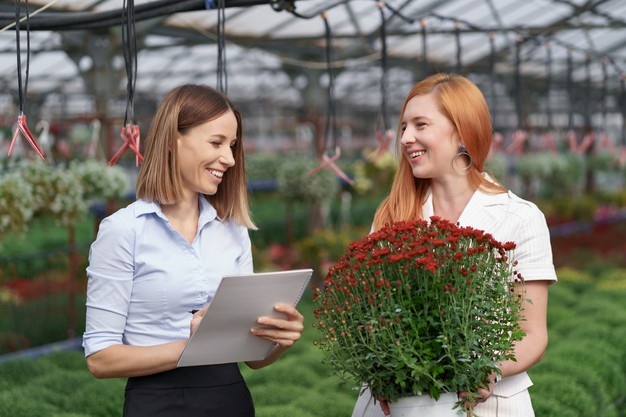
x: 218, y: 174
x: 416, y: 154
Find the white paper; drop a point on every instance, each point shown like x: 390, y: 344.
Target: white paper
x: 223, y: 335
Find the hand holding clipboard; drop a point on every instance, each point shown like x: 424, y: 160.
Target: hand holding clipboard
x: 223, y: 334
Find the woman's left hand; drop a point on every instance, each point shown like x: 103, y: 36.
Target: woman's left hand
x: 483, y: 393
x: 284, y: 331
x: 195, y: 319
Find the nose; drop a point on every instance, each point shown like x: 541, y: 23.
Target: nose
x: 407, y: 137
x: 227, y: 158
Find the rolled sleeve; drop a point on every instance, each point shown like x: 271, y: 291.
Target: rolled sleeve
x: 533, y: 249
x: 110, y: 276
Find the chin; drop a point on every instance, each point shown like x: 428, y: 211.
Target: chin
x: 208, y: 190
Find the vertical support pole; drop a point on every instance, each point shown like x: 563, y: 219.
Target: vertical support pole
x: 518, y: 82
x: 425, y: 68
x: 548, y: 84
x: 457, y: 38
x: 569, y: 85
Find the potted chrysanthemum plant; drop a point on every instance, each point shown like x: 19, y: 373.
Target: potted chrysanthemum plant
x: 424, y: 308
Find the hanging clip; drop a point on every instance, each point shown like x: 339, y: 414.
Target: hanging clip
x: 22, y: 127
x: 280, y: 5
x: 329, y: 162
x: 383, y: 146
x: 130, y: 134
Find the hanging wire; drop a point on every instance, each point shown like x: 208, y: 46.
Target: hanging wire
x: 622, y: 83
x: 605, y: 81
x: 130, y: 130
x: 222, y: 75
x: 384, y: 67
x: 518, y: 81
x: 569, y: 84
x: 129, y: 45
x: 21, y: 124
x: 331, y: 119
x: 28, y: 16
x: 385, y: 137
x: 319, y: 12
x: 425, y: 69
x: 548, y: 82
x: 587, y: 105
x: 457, y: 38
x: 492, y: 74
x: 22, y: 92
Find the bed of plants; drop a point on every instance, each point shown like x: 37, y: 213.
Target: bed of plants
x: 582, y: 374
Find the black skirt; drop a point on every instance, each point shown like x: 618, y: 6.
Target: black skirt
x: 195, y: 391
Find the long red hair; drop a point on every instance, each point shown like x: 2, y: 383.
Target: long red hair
x: 462, y: 102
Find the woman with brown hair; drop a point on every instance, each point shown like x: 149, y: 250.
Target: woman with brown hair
x: 164, y: 255
x: 444, y: 136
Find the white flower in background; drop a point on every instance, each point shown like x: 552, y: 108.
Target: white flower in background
x: 33, y: 188
x: 99, y: 180
x: 17, y: 204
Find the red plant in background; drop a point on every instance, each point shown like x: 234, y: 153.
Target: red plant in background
x: 282, y: 257
x: 421, y: 307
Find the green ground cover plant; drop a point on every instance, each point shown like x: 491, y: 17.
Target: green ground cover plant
x: 582, y: 374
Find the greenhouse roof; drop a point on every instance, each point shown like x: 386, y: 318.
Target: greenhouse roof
x: 265, y: 46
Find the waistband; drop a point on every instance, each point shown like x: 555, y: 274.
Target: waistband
x: 189, y: 377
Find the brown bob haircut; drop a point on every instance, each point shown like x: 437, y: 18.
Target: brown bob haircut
x: 462, y: 102
x: 159, y: 180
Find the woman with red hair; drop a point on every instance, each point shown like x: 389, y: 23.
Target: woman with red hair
x: 444, y: 137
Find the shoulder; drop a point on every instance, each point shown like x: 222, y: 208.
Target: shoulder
x: 238, y: 230
x: 524, y: 209
x: 509, y: 203
x: 507, y: 215
x: 128, y: 218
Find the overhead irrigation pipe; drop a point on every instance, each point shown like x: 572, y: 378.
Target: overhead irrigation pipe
x: 66, y: 21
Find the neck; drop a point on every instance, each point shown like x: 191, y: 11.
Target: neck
x: 185, y: 208
x: 449, y: 199
x: 183, y: 216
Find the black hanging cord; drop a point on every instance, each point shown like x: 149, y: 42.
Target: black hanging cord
x: 622, y: 83
x: 605, y: 82
x: 129, y: 44
x: 425, y: 69
x: 319, y: 11
x: 587, y: 105
x: 548, y: 83
x: 384, y: 69
x: 331, y: 119
x: 222, y: 75
x: 22, y: 91
x: 570, y: 68
x: 280, y: 5
x: 518, y: 81
x: 457, y: 38
x: 492, y: 74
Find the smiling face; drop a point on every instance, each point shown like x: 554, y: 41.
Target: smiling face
x: 429, y: 139
x: 205, y: 152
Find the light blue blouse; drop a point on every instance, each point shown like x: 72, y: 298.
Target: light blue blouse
x: 144, y: 277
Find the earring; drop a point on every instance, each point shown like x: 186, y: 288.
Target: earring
x: 462, y: 153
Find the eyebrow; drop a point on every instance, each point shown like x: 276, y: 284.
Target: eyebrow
x: 415, y: 118
x: 222, y: 137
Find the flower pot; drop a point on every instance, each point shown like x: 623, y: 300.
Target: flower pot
x: 426, y: 406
